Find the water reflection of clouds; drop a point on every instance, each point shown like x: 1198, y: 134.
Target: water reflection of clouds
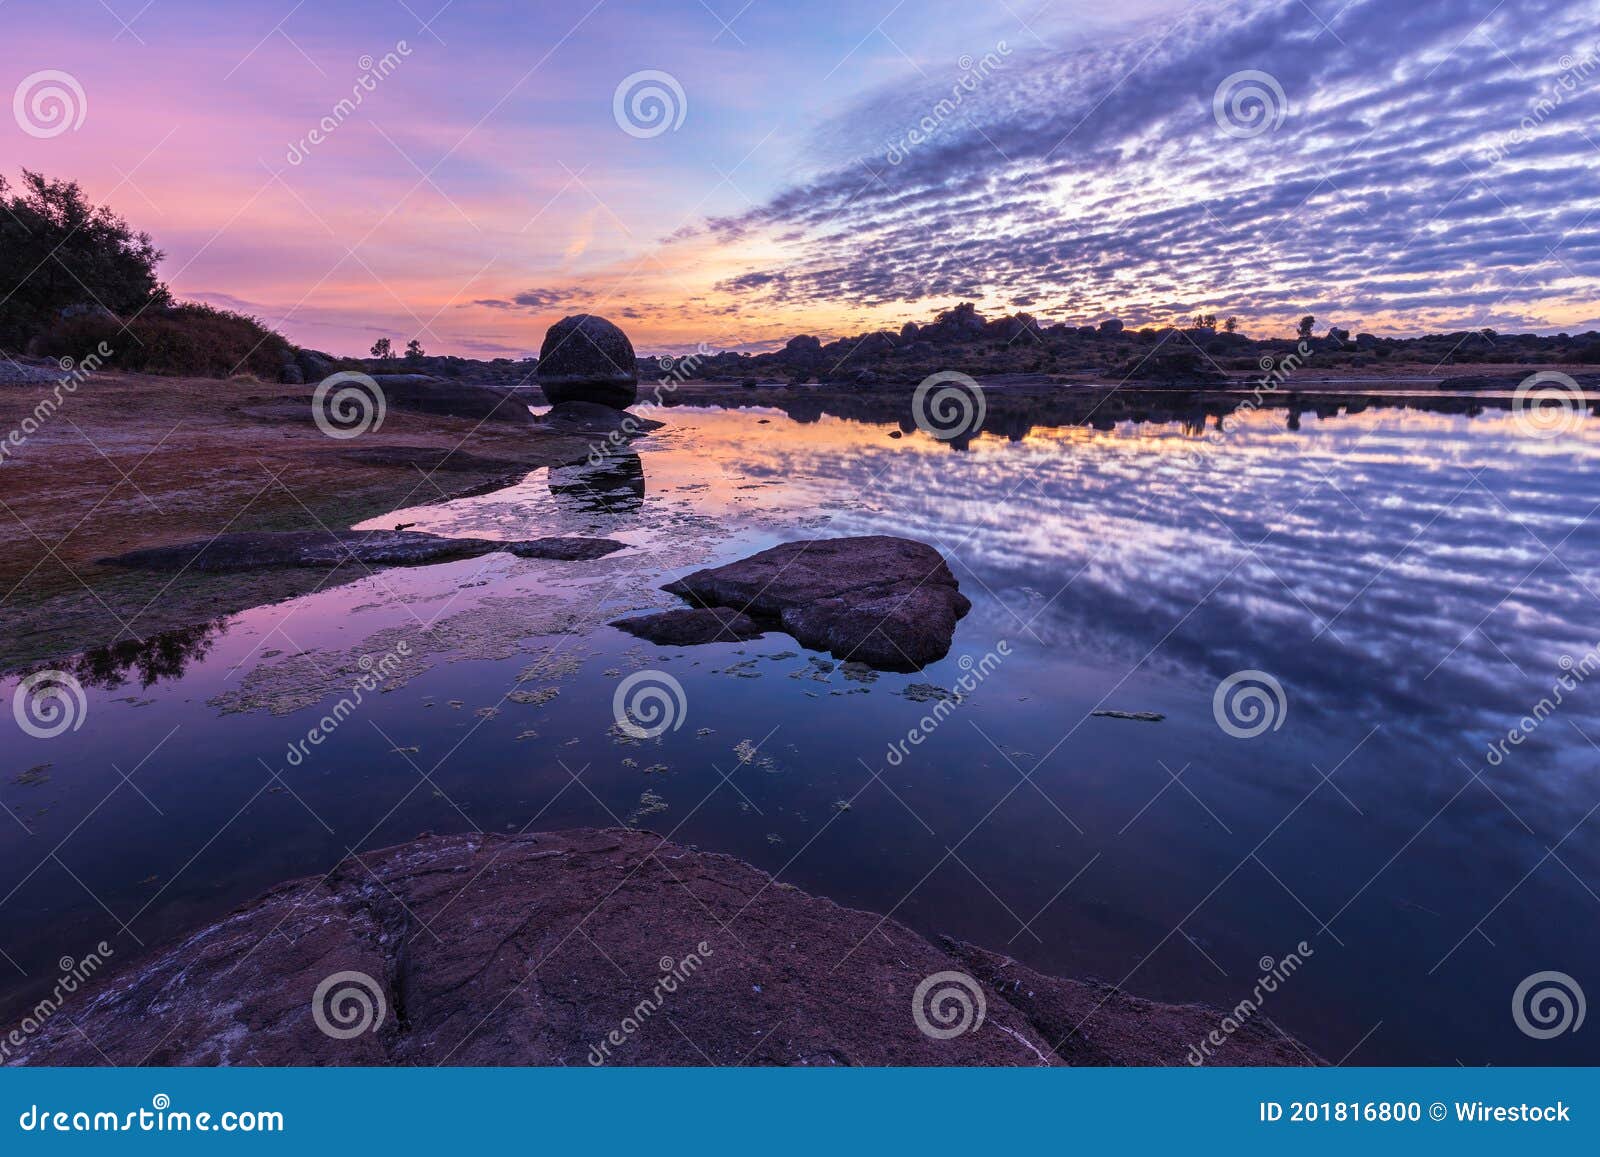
x: 1393, y: 561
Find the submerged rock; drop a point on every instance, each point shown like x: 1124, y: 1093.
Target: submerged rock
x: 693, y: 625
x: 891, y: 603
x: 465, y: 950
x: 315, y: 548
x: 563, y: 549
x: 586, y: 358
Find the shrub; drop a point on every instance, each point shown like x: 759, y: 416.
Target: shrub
x: 56, y: 250
x: 185, y: 340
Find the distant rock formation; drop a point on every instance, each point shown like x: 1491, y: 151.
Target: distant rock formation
x: 1183, y: 366
x: 586, y: 358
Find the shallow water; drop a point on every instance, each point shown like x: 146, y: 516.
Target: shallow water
x: 1412, y: 581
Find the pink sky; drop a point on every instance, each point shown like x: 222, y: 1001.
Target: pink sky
x: 1086, y: 177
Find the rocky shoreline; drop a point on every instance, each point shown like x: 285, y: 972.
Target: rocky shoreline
x: 595, y: 947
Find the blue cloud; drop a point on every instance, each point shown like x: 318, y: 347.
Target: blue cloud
x: 1433, y: 163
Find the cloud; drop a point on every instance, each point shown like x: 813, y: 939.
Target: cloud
x: 1431, y: 169
x: 532, y: 300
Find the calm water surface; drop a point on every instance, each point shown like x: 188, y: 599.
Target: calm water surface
x: 1415, y: 583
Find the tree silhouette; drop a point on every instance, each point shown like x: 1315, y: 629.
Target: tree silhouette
x: 57, y: 249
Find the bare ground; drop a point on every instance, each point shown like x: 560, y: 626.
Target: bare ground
x: 131, y: 461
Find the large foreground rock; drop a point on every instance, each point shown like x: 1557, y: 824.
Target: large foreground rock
x: 326, y: 548
x: 586, y: 358
x: 891, y: 603
x: 554, y: 949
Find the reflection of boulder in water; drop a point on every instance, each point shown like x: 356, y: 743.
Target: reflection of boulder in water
x: 613, y: 484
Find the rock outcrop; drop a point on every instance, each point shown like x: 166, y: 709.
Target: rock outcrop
x: 888, y: 602
x: 586, y: 358
x: 328, y: 548
x: 597, y: 947
x: 422, y: 394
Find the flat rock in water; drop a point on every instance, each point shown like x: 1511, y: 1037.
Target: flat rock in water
x: 693, y: 625
x: 467, y: 951
x: 564, y: 549
x: 317, y: 548
x: 1136, y: 716
x: 891, y: 603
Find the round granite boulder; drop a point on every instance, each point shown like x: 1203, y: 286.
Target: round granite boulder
x: 587, y: 359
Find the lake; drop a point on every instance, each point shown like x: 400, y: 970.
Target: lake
x: 1383, y: 598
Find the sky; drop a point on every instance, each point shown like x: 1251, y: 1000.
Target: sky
x: 728, y: 173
